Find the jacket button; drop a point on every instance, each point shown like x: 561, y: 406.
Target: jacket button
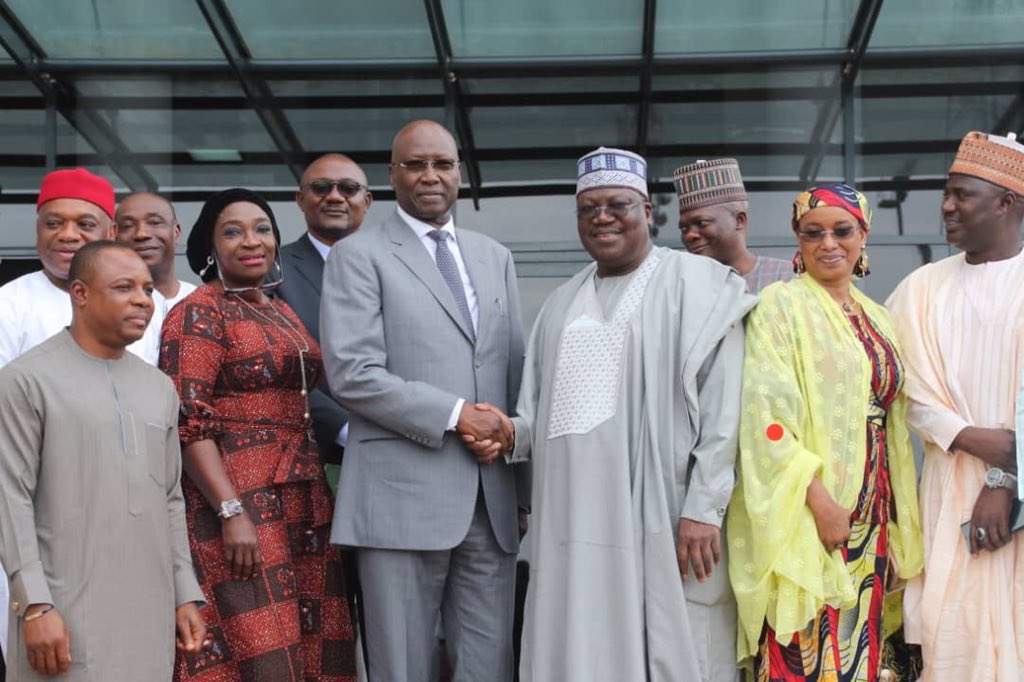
x: 15, y: 605
x: 476, y: 361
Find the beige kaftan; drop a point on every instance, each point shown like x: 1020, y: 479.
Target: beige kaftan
x: 91, y: 517
x: 962, y: 331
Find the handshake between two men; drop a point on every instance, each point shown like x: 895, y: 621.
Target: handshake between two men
x: 486, y: 430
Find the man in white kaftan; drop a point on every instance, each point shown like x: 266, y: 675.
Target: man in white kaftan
x: 628, y: 409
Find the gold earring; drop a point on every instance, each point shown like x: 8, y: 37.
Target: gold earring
x: 862, y: 267
x: 798, y: 263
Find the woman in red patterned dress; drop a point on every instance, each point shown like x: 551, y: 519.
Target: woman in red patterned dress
x: 258, y: 506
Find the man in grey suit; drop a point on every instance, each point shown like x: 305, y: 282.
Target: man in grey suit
x: 334, y: 198
x: 421, y: 331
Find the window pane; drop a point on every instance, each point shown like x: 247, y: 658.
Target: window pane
x: 313, y: 29
x: 353, y: 130
x: 584, y: 126
x: 118, y: 29
x: 751, y: 25
x: 911, y: 23
x: 542, y: 28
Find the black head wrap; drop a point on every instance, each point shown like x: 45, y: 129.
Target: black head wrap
x: 200, y: 240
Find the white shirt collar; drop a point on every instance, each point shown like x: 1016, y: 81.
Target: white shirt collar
x: 322, y: 249
x: 421, y: 228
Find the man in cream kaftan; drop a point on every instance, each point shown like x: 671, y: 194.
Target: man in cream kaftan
x: 961, y: 325
x: 628, y: 408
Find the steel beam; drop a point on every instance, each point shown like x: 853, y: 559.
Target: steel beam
x: 62, y: 97
x: 257, y: 92
x: 454, y: 105
x: 831, y: 110
x: 643, y: 118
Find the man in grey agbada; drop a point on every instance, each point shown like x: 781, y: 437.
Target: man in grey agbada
x: 92, y: 519
x: 628, y: 410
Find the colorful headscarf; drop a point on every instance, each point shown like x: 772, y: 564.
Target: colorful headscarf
x: 838, y: 195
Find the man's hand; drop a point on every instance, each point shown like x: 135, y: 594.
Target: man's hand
x: 832, y: 520
x: 991, y: 512
x: 241, y: 546
x: 995, y: 447
x: 486, y: 430
x: 700, y: 544
x: 47, y: 641
x: 191, y: 629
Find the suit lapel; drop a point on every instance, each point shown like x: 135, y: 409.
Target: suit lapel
x: 414, y: 256
x: 482, y: 278
x: 308, y: 263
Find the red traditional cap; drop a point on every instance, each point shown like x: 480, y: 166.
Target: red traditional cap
x: 77, y: 184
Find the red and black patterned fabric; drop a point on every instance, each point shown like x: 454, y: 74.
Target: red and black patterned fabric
x: 846, y: 645
x: 239, y: 379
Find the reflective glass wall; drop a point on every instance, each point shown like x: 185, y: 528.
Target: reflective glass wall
x: 190, y: 96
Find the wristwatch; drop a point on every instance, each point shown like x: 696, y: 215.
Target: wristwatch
x: 997, y: 478
x: 230, y: 508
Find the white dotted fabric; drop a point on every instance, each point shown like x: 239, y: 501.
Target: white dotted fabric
x: 590, y: 362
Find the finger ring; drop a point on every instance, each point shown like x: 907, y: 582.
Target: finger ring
x: 980, y: 534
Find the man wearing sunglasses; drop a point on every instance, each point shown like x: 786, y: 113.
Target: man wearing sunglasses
x: 334, y: 199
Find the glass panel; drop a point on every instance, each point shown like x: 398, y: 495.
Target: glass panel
x: 1008, y: 73
x: 313, y: 29
x: 351, y: 88
x: 533, y: 172
x: 751, y: 25
x: 583, y: 126
x: 788, y: 78
x: 928, y: 118
x: 352, y: 130
x: 169, y: 87
x: 542, y: 28
x: 118, y: 29
x: 912, y: 23
x: 213, y: 176
x: 736, y: 122
x: 753, y: 168
x: 22, y: 132
x: 180, y: 130
x: 490, y: 86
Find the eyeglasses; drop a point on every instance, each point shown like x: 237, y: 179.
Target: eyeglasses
x: 321, y: 187
x: 839, y: 234
x: 618, y: 209
x: 421, y: 165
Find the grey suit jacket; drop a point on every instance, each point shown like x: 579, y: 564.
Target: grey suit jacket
x: 303, y: 271
x: 399, y: 356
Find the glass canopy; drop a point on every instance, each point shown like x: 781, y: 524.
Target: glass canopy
x: 202, y: 94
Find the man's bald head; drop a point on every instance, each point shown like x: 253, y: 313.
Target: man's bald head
x: 425, y: 171
x: 419, y: 128
x: 88, y: 258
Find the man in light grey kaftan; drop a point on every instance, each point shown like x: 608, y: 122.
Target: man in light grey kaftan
x: 628, y: 409
x: 92, y: 525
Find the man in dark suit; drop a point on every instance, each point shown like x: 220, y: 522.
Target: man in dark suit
x: 421, y: 327
x: 334, y: 198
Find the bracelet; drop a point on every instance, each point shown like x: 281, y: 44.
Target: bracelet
x: 38, y: 614
x: 230, y: 509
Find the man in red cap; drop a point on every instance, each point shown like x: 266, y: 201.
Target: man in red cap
x: 74, y: 207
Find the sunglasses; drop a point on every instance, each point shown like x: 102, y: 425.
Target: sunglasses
x: 840, y: 234
x: 321, y: 187
x: 618, y: 209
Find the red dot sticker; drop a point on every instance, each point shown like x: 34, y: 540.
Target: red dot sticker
x: 774, y: 432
